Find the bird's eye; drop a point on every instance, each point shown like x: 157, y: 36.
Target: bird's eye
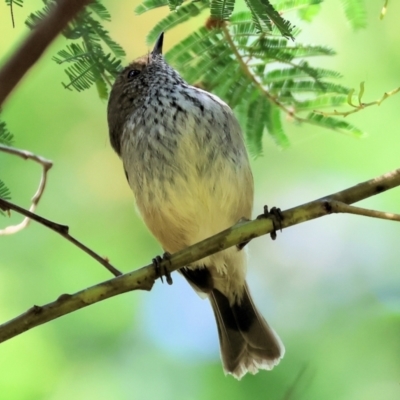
x: 133, y: 73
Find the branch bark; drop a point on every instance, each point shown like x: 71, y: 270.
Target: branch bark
x: 36, y: 43
x: 144, y: 278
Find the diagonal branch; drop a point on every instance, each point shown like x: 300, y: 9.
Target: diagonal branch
x: 144, y: 278
x: 36, y: 43
x: 62, y: 230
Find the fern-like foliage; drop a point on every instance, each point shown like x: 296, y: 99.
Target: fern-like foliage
x: 264, y: 77
x: 356, y: 13
x: 264, y: 16
x: 183, y: 14
x: 148, y: 5
x: 6, y: 137
x: 4, y: 194
x: 221, y: 9
x: 89, y: 61
x: 245, y: 58
x: 11, y: 4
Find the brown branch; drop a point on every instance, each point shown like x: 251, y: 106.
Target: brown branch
x: 246, y: 70
x: 36, y: 43
x: 242, y: 232
x: 62, y: 230
x: 46, y: 165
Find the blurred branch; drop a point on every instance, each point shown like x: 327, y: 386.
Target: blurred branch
x: 62, y: 230
x: 240, y: 233
x: 291, y: 391
x: 36, y: 43
x: 46, y: 165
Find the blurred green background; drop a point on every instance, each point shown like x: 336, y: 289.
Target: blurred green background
x: 330, y: 287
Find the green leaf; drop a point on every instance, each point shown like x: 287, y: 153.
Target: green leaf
x: 306, y: 86
x: 278, y: 50
x: 309, y: 13
x: 102, y: 89
x: 264, y: 15
x: 100, y: 10
x: 259, y: 16
x: 81, y: 75
x: 239, y: 89
x: 103, y: 35
x: 183, y: 14
x: 150, y: 5
x: 356, y: 13
x: 174, y: 4
x: 307, y: 9
x: 335, y: 124
x: 298, y: 72
x: 89, y: 63
x: 6, y: 137
x: 275, y: 127
x: 72, y: 53
x: 252, y: 72
x: 257, y: 116
x: 222, y: 9
x: 4, y: 194
x: 320, y: 102
x: 284, y: 6
x: 4, y: 191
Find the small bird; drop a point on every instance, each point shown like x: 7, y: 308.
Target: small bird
x: 185, y: 159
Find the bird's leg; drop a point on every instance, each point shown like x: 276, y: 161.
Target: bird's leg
x: 160, y: 269
x: 276, y: 216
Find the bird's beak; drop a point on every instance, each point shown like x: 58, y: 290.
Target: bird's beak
x: 158, y: 46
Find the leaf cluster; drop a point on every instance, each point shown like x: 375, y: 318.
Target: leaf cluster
x: 6, y: 138
x: 244, y: 57
x: 263, y: 76
x: 4, y: 194
x: 92, y: 57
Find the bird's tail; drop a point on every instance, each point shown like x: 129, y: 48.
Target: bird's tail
x: 247, y: 342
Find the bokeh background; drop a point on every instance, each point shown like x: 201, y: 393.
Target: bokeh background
x: 330, y: 287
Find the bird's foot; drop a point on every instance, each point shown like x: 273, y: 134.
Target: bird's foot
x: 160, y: 268
x: 276, y: 216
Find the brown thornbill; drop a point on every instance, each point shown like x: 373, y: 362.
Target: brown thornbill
x: 185, y: 159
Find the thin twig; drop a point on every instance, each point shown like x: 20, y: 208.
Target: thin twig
x: 359, y: 107
x: 36, y: 43
x: 46, y: 165
x: 62, y: 230
x: 339, y: 207
x: 144, y: 277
